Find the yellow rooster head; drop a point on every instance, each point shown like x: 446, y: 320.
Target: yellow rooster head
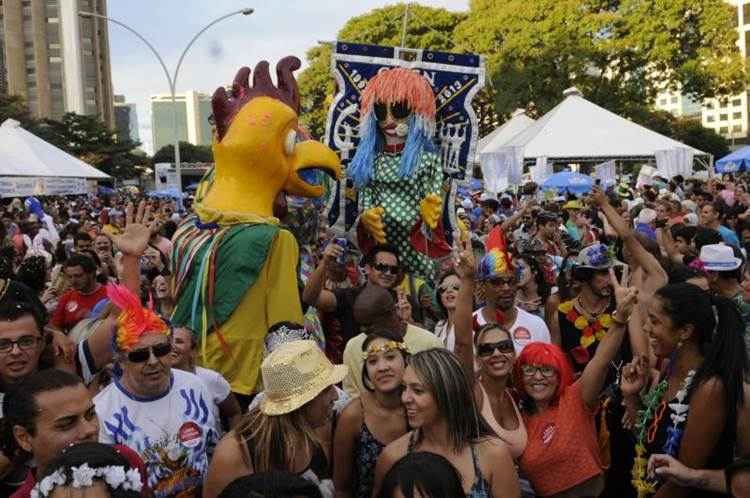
x: 259, y: 148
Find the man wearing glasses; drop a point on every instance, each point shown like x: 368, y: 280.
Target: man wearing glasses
x: 161, y: 413
x: 382, y: 268
x: 499, y: 283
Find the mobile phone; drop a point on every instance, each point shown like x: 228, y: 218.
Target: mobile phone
x: 341, y: 242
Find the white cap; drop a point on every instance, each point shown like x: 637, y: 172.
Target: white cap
x: 467, y: 204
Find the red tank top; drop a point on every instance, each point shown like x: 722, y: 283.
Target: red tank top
x: 561, y: 450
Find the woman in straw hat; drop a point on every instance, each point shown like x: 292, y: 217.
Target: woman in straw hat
x: 280, y: 433
x: 441, y: 408
x: 375, y: 418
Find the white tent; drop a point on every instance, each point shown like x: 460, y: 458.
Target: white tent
x: 577, y: 130
x: 24, y: 154
x: 518, y: 122
x: 31, y: 166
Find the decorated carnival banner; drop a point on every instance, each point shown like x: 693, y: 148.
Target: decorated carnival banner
x: 455, y: 80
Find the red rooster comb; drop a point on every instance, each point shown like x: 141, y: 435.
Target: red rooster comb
x: 227, y: 105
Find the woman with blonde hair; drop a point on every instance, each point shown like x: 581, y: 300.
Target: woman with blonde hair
x: 280, y: 433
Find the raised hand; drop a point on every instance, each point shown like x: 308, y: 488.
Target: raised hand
x: 598, y: 196
x: 625, y: 297
x: 138, y: 230
x: 464, y: 261
x: 634, y: 376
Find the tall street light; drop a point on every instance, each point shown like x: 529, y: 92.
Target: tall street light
x: 171, y: 79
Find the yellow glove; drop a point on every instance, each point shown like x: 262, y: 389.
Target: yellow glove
x: 373, y: 221
x: 430, y: 208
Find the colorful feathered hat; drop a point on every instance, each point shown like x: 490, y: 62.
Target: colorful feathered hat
x: 134, y: 320
x: 394, y: 86
x: 498, y: 259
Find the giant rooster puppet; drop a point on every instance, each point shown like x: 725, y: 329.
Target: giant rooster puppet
x: 235, y: 268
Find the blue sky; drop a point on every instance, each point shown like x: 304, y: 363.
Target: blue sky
x: 276, y: 29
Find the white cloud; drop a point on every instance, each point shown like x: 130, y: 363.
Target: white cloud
x: 275, y: 30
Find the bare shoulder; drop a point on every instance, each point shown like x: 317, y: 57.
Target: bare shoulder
x: 352, y: 414
x: 229, y: 451
x: 397, y: 448
x: 709, y: 390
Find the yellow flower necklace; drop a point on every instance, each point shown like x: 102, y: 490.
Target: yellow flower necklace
x: 590, y: 332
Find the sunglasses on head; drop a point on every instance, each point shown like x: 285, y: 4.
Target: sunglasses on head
x: 398, y: 110
x: 487, y: 348
x: 141, y: 355
x: 384, y: 268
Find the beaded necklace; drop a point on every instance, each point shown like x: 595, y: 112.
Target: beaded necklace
x: 653, y: 410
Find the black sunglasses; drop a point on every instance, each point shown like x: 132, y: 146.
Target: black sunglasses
x: 399, y: 110
x: 487, y: 348
x: 141, y: 355
x: 384, y: 268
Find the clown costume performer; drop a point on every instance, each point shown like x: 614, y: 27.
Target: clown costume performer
x: 396, y: 169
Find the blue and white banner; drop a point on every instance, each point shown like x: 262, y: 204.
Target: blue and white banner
x: 455, y: 79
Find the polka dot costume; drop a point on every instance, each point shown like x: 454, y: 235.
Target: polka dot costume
x: 400, y: 197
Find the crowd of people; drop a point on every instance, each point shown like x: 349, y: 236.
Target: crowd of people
x: 567, y: 347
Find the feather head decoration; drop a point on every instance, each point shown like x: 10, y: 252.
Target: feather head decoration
x: 134, y: 320
x: 498, y: 259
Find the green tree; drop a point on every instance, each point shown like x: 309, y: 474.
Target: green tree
x: 619, y: 53
x: 428, y: 27
x: 189, y: 153
x: 14, y: 107
x: 91, y: 141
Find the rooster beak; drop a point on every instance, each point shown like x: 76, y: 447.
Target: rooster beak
x: 310, y: 156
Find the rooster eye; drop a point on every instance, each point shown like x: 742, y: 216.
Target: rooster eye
x: 290, y: 142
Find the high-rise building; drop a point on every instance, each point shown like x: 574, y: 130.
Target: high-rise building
x: 126, y: 120
x: 193, y: 112
x: 679, y: 105
x: 730, y: 116
x: 55, y: 59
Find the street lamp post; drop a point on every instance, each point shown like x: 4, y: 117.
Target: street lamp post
x: 171, y: 79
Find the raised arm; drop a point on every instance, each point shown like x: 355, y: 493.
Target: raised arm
x: 463, y: 318
x: 508, y: 224
x: 593, y: 376
x: 314, y: 294
x: 641, y: 256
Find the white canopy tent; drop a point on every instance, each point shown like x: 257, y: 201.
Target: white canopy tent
x: 31, y: 166
x: 579, y: 131
x: 500, y: 136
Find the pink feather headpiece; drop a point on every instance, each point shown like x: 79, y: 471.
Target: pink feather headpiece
x: 134, y: 320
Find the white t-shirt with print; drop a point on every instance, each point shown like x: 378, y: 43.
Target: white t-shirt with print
x: 526, y: 329
x: 174, y: 434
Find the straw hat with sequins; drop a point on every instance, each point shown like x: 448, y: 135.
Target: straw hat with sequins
x: 295, y: 374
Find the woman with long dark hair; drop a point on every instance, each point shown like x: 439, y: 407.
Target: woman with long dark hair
x: 440, y: 407
x: 447, y: 290
x: 374, y: 419
x: 690, y: 412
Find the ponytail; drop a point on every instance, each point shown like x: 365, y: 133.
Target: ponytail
x: 719, y: 329
x: 725, y: 355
